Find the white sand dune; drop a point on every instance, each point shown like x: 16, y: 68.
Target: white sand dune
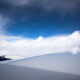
x: 47, y: 67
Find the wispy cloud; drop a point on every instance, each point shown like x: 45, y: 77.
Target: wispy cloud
x: 19, y: 46
x: 3, y: 21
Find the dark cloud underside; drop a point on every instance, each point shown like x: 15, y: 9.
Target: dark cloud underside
x: 61, y: 7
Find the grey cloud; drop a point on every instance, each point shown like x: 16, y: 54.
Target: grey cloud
x: 62, y: 7
x: 15, y: 2
x: 48, y: 4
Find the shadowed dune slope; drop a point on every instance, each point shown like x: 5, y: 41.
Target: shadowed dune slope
x: 12, y: 72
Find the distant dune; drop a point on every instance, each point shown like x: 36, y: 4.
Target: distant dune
x: 47, y: 67
x: 11, y: 72
x: 62, y: 62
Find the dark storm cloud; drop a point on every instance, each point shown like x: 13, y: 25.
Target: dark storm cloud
x: 24, y: 9
x: 48, y: 4
x: 62, y: 5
